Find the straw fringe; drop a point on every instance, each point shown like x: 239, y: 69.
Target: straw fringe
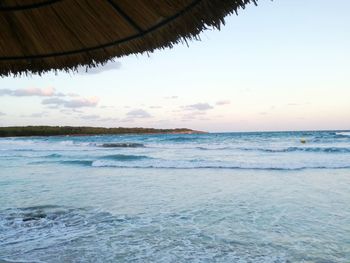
x: 187, y: 25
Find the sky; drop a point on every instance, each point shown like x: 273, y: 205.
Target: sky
x: 281, y: 65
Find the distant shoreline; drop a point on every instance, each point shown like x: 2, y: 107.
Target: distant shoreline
x: 36, y: 131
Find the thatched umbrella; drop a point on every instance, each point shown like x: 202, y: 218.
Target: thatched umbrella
x: 42, y: 35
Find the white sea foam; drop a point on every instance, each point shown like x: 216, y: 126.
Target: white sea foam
x: 347, y: 134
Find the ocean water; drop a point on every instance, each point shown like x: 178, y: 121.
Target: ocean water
x: 230, y: 197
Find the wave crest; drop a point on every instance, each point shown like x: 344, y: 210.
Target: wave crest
x: 301, y: 149
x: 122, y: 145
x: 124, y: 157
x: 203, y: 165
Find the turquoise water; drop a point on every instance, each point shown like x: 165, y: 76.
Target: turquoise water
x: 233, y: 197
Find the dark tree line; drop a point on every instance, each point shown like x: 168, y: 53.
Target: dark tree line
x: 17, y: 131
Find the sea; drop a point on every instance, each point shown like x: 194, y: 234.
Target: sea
x: 216, y: 197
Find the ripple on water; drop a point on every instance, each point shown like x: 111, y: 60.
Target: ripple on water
x: 58, y: 234
x: 66, y: 234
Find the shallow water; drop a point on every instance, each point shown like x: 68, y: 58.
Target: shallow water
x: 176, y: 198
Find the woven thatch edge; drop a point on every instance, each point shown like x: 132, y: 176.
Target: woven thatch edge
x: 202, y: 14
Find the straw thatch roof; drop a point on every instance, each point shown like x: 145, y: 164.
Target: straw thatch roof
x: 41, y: 35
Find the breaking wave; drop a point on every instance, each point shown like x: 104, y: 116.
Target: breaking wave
x: 165, y: 164
x: 343, y: 134
x: 121, y: 145
x: 125, y: 158
x: 301, y: 149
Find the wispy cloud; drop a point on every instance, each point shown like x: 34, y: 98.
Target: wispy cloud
x: 90, y: 117
x: 96, y: 118
x: 171, y: 97
x: 2, y: 114
x: 138, y: 114
x: 298, y: 104
x: 72, y: 103
x: 223, y: 102
x: 67, y: 103
x: 69, y: 111
x: 5, y: 92
x: 72, y: 95
x: 155, y: 107
x: 193, y: 115
x: 35, y: 115
x: 199, y: 106
x: 106, y: 107
x: 53, y: 101
x: 113, y: 65
x: 44, y: 92
x: 109, y: 119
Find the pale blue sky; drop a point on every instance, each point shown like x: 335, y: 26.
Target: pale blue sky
x: 284, y: 65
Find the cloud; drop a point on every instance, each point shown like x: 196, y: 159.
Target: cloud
x: 35, y: 115
x: 298, y: 104
x: 90, y: 117
x: 70, y: 111
x: 204, y: 119
x: 5, y: 92
x: 52, y: 107
x: 113, y: 65
x: 45, y: 92
x: 2, y: 114
x: 171, y: 98
x: 38, y: 115
x: 199, y: 106
x: 95, y: 117
x: 54, y: 101
x: 82, y: 102
x: 73, y: 103
x: 73, y: 95
x: 223, y: 102
x: 139, y: 114
x: 193, y: 115
x: 155, y: 107
x: 106, y: 107
x: 108, y: 119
